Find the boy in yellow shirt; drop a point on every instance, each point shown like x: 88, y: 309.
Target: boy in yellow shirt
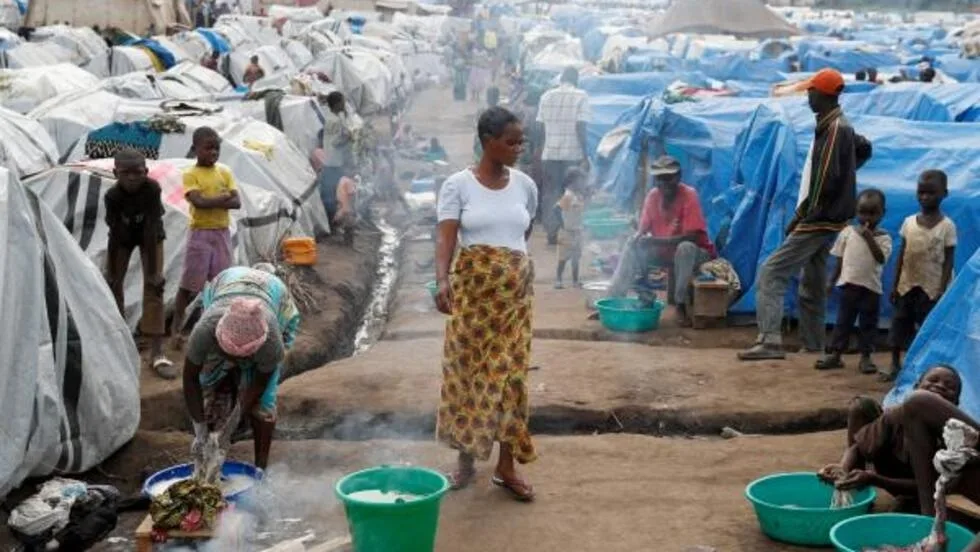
x: 211, y: 192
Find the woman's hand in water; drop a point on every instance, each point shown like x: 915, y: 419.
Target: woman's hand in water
x: 444, y: 297
x: 828, y: 474
x: 857, y: 479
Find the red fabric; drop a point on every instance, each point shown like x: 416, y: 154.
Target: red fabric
x: 682, y: 217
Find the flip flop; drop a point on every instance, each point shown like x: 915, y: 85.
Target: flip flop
x: 762, y: 352
x: 518, y: 490
x: 164, y: 368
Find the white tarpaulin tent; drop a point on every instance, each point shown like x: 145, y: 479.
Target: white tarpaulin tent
x: 302, y: 118
x: 22, y: 90
x: 75, y: 193
x: 126, y: 59
x: 34, y: 54
x: 741, y: 18
x: 87, y: 48
x: 257, y: 154
x: 363, y: 78
x: 25, y: 148
x: 70, y: 393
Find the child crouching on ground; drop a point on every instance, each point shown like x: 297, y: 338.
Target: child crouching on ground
x: 925, y: 265
x: 134, y: 214
x: 863, y: 250
x: 571, y: 208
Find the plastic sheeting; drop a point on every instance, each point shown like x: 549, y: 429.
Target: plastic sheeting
x: 363, y: 78
x: 22, y: 90
x: 71, y: 391
x: 302, y: 118
x: 260, y: 225
x: 772, y: 151
x: 745, y: 156
x: 257, y: 154
x: 25, y: 148
x: 951, y: 336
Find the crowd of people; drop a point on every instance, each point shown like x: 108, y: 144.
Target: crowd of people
x: 235, y: 353
x: 485, y: 219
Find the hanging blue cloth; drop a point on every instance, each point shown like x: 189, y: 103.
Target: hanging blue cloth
x: 217, y: 42
x: 165, y: 56
x: 103, y: 143
x: 21, y: 6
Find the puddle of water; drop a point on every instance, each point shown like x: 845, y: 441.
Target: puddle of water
x: 376, y: 313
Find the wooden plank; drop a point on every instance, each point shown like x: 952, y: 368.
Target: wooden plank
x: 145, y: 529
x: 963, y: 505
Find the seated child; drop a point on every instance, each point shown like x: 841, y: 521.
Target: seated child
x: 883, y: 440
x: 571, y: 208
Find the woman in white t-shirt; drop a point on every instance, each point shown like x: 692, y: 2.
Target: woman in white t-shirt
x: 485, y: 215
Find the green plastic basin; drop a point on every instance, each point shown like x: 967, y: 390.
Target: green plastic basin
x: 626, y: 314
x: 408, y: 526
x: 607, y: 229
x: 795, y: 507
x: 874, y: 530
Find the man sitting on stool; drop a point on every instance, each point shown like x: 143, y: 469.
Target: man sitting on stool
x: 672, y: 234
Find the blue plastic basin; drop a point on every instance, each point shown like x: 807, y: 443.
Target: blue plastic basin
x: 184, y: 471
x: 795, y: 507
x: 858, y: 533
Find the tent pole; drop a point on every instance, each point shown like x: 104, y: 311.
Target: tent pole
x: 642, y: 179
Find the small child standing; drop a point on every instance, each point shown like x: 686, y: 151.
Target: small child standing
x: 925, y: 265
x: 863, y: 250
x: 134, y: 214
x: 571, y: 209
x: 346, y: 218
x: 210, y: 189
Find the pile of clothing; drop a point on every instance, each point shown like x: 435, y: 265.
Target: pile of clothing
x: 65, y: 514
x: 188, y: 505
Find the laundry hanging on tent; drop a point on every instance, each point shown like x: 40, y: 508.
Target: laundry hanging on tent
x: 105, y: 142
x: 273, y: 100
x: 160, y: 56
x: 216, y: 41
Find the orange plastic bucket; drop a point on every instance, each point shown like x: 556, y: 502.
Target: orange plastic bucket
x: 299, y: 251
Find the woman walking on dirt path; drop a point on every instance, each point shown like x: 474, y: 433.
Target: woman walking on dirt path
x: 487, y: 210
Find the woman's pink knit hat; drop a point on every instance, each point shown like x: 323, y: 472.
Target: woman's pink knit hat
x: 243, y: 329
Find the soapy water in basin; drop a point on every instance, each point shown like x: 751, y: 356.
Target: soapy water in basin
x: 230, y: 484
x: 381, y: 497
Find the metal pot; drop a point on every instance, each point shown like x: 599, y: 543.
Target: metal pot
x: 594, y: 291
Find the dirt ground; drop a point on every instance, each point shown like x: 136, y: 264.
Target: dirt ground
x: 602, y: 493
x: 580, y: 386
x: 596, y: 492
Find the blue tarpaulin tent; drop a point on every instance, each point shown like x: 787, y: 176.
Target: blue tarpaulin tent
x: 772, y: 151
x: 951, y: 335
x: 217, y: 42
x: 745, y: 157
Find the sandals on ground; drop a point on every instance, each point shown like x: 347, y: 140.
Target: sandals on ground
x: 164, y: 368
x: 517, y: 488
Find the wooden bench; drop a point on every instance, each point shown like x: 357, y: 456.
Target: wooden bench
x: 963, y: 505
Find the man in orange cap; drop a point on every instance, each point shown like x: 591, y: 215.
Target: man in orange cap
x: 828, y: 191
